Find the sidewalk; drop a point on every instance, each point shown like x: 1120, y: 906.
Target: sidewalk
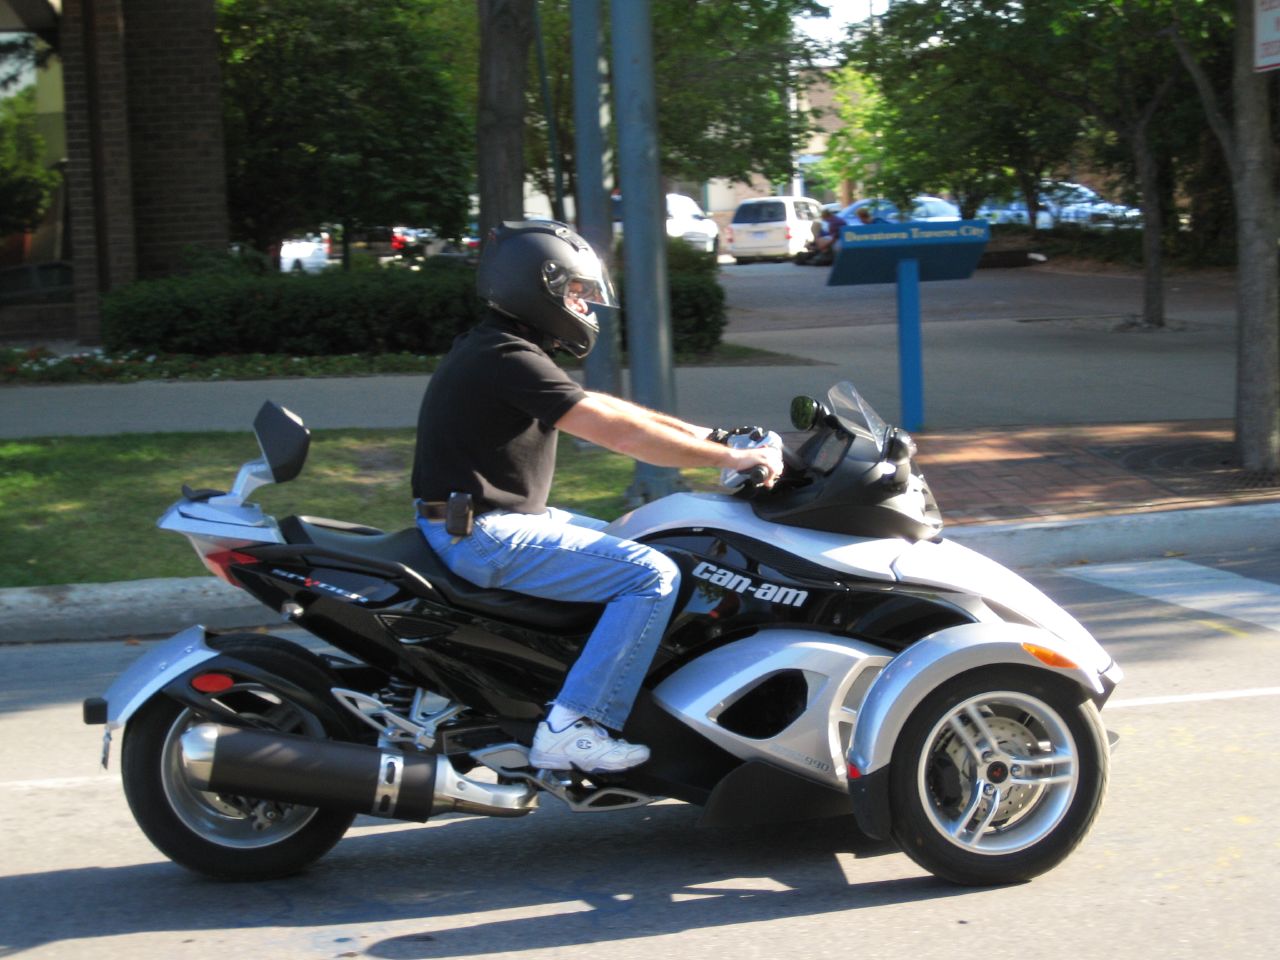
x: 1058, y: 495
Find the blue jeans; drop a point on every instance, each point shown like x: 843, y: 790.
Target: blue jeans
x: 564, y: 556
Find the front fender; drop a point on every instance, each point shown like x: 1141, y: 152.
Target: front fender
x: 152, y: 671
x: 920, y: 669
x: 925, y: 665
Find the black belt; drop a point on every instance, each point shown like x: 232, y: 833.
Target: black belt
x: 432, y: 509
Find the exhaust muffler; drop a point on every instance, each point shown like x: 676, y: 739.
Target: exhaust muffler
x: 340, y: 776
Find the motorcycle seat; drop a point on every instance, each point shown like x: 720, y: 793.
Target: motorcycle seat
x: 409, y: 548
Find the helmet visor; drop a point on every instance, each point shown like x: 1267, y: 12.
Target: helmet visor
x: 584, y: 288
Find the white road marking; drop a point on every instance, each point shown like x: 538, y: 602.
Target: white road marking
x: 58, y: 782
x: 1191, y: 585
x: 1121, y: 702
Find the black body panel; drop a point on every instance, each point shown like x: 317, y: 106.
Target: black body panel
x: 389, y: 601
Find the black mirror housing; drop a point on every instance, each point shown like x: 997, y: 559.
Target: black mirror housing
x: 283, y: 439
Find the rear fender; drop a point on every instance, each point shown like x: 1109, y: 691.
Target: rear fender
x: 152, y: 671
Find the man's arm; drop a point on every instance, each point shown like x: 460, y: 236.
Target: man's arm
x: 627, y: 408
x: 657, y: 438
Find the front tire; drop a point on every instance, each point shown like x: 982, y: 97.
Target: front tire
x: 998, y: 775
x: 232, y: 837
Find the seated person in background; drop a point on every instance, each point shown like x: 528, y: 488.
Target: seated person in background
x: 825, y: 245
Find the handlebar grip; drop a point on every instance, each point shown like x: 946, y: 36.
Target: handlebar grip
x: 753, y: 481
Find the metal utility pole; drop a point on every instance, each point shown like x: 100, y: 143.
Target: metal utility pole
x: 644, y: 248
x: 602, y: 368
x: 548, y: 107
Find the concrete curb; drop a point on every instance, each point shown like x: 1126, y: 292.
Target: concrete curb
x: 163, y: 606
x: 130, y: 608
x: 1126, y: 536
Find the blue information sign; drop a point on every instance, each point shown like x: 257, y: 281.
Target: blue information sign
x: 906, y: 254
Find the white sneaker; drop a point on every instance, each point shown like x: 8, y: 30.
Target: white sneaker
x: 586, y: 746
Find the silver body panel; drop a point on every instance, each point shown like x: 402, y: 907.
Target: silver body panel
x: 854, y: 683
x: 837, y: 672
x: 150, y: 672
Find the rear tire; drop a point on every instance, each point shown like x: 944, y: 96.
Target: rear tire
x: 228, y: 837
x: 998, y: 775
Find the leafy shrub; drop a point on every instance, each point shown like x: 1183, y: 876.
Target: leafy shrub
x: 227, y: 311
x: 697, y: 300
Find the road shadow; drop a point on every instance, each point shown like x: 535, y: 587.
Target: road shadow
x: 573, y: 878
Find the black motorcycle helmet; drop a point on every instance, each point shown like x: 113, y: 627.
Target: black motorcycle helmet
x: 543, y: 274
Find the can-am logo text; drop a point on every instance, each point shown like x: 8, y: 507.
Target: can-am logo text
x: 737, y: 582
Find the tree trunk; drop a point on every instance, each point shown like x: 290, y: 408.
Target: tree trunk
x: 1152, y: 224
x: 506, y: 33
x: 1257, y: 283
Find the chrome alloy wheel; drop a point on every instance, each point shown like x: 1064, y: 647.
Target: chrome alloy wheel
x: 998, y: 772
x: 235, y: 821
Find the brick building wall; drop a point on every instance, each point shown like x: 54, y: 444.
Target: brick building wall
x: 145, y: 172
x: 90, y: 44
x: 175, y: 129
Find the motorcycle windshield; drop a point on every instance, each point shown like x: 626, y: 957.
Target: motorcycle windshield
x: 856, y: 415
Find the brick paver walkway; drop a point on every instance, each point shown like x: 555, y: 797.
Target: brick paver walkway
x: 1047, y: 473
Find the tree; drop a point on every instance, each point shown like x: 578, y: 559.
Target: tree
x: 1114, y: 63
x: 26, y: 184
x: 506, y: 35
x: 337, y: 111
x: 1241, y: 119
x: 1100, y: 61
x: 725, y: 75
x: 938, y: 110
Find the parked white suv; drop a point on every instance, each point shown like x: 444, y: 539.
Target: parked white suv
x: 685, y: 221
x: 775, y: 228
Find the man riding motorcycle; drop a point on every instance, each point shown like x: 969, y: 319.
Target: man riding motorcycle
x: 483, y: 467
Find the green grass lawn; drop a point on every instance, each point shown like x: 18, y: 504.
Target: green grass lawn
x: 83, y: 509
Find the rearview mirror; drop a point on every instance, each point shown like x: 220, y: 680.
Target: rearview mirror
x: 283, y: 439
x: 804, y: 412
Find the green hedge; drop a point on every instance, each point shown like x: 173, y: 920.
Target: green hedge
x: 363, y: 311
x: 224, y: 310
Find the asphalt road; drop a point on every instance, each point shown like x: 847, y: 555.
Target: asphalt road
x: 1184, y: 861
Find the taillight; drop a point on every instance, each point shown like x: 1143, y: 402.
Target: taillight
x: 219, y: 563
x: 788, y: 233
x: 728, y: 232
x: 213, y: 682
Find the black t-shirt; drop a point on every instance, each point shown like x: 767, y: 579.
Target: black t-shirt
x: 487, y: 423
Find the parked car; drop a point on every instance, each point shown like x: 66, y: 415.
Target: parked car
x: 308, y: 254
x: 1078, y: 204
x: 1014, y: 211
x: 685, y: 220
x: 774, y: 228
x: 922, y: 208
x: 415, y: 242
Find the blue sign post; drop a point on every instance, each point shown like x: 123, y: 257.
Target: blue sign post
x: 907, y: 254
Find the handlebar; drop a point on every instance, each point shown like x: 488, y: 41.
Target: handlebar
x: 753, y: 482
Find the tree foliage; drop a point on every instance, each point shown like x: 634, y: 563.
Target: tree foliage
x: 26, y: 184
x: 726, y: 73
x: 339, y: 111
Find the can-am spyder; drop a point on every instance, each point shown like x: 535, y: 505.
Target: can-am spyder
x: 829, y: 653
